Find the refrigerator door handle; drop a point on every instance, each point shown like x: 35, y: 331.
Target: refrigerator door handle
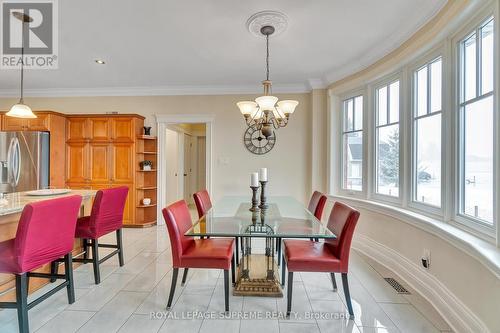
x: 14, y: 160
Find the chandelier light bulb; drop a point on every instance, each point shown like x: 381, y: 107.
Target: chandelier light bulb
x: 266, y: 103
x: 287, y: 106
x: 20, y: 110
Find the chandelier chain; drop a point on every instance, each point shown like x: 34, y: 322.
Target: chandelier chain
x: 22, y: 62
x: 267, y: 57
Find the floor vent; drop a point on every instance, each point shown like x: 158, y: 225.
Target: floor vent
x: 397, y: 286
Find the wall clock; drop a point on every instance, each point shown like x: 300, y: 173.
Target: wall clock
x: 257, y: 143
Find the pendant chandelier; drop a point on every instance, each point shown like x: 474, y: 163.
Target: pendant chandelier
x: 21, y: 110
x: 266, y: 113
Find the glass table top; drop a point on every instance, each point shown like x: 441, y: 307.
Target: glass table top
x: 285, y: 218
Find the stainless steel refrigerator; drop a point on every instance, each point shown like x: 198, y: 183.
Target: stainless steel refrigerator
x: 24, y: 161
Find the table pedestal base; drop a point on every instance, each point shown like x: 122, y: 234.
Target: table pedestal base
x: 255, y: 279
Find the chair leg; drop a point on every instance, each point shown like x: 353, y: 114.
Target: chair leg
x: 95, y: 261
x: 289, y: 294
x: 54, y: 268
x: 345, y: 284
x: 237, y: 239
x: 119, y: 243
x: 233, y: 269
x: 184, y: 276
x: 226, y: 290
x: 68, y: 272
x: 22, y: 302
x: 334, y: 282
x: 175, y: 273
x: 85, y: 245
x: 283, y: 269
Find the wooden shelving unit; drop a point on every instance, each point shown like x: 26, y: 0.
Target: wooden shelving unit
x: 145, y: 215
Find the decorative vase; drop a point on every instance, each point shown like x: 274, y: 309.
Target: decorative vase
x: 146, y: 201
x: 147, y: 130
x: 146, y: 167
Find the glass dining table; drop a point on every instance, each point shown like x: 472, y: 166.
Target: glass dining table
x: 258, y: 231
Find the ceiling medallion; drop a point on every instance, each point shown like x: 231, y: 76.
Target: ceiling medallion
x: 265, y: 18
x: 267, y: 113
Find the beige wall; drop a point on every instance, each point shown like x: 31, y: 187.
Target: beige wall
x: 288, y: 163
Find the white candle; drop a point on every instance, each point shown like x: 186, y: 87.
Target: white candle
x: 254, y: 179
x: 263, y: 174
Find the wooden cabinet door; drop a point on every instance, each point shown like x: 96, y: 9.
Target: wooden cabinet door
x: 99, y: 129
x: 13, y: 124
x: 122, y: 129
x: 77, y: 129
x: 77, y: 162
x: 99, y: 162
x: 129, y: 210
x: 40, y: 123
x: 122, y: 163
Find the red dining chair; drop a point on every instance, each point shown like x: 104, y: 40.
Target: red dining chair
x: 106, y: 216
x: 203, y: 205
x: 45, y: 232
x: 316, y: 206
x: 202, y: 202
x: 331, y: 256
x: 188, y: 252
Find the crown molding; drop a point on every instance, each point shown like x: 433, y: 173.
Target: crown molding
x: 317, y: 84
x: 156, y: 91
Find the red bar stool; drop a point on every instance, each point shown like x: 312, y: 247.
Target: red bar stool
x: 316, y: 206
x: 188, y: 252
x: 331, y: 256
x: 45, y: 232
x: 106, y: 217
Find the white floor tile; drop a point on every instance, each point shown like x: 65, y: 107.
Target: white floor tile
x: 408, y: 319
x: 222, y: 325
x: 66, y: 322
x: 141, y: 323
x: 298, y: 328
x: 115, y: 313
x: 259, y: 326
x: 181, y: 326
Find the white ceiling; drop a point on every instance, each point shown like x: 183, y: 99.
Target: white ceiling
x: 162, y: 46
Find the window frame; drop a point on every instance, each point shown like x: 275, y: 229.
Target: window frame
x: 472, y: 224
x: 447, y: 48
x: 373, y: 110
x: 426, y: 61
x: 341, y: 121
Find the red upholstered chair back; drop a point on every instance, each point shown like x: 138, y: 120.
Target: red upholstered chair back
x: 107, y: 210
x: 342, y: 221
x: 203, y: 202
x: 46, y: 231
x: 178, y: 221
x: 317, y: 204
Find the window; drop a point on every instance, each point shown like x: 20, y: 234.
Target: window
x: 427, y: 94
x: 352, y: 144
x: 476, y: 117
x: 387, y: 139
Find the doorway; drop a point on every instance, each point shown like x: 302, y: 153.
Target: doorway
x: 186, y: 161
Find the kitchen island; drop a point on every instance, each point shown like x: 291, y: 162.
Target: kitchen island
x: 10, y: 212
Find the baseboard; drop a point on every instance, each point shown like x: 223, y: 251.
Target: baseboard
x: 454, y: 312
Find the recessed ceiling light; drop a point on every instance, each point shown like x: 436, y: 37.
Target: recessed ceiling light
x: 100, y: 62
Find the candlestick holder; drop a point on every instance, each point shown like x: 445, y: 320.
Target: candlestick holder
x: 255, y: 201
x: 263, y: 198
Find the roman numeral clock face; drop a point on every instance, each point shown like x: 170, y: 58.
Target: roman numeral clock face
x: 257, y: 143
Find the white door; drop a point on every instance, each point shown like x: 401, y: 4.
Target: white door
x: 201, y: 161
x: 188, y: 168
x: 172, y: 166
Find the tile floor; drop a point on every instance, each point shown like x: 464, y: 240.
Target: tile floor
x: 127, y: 297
